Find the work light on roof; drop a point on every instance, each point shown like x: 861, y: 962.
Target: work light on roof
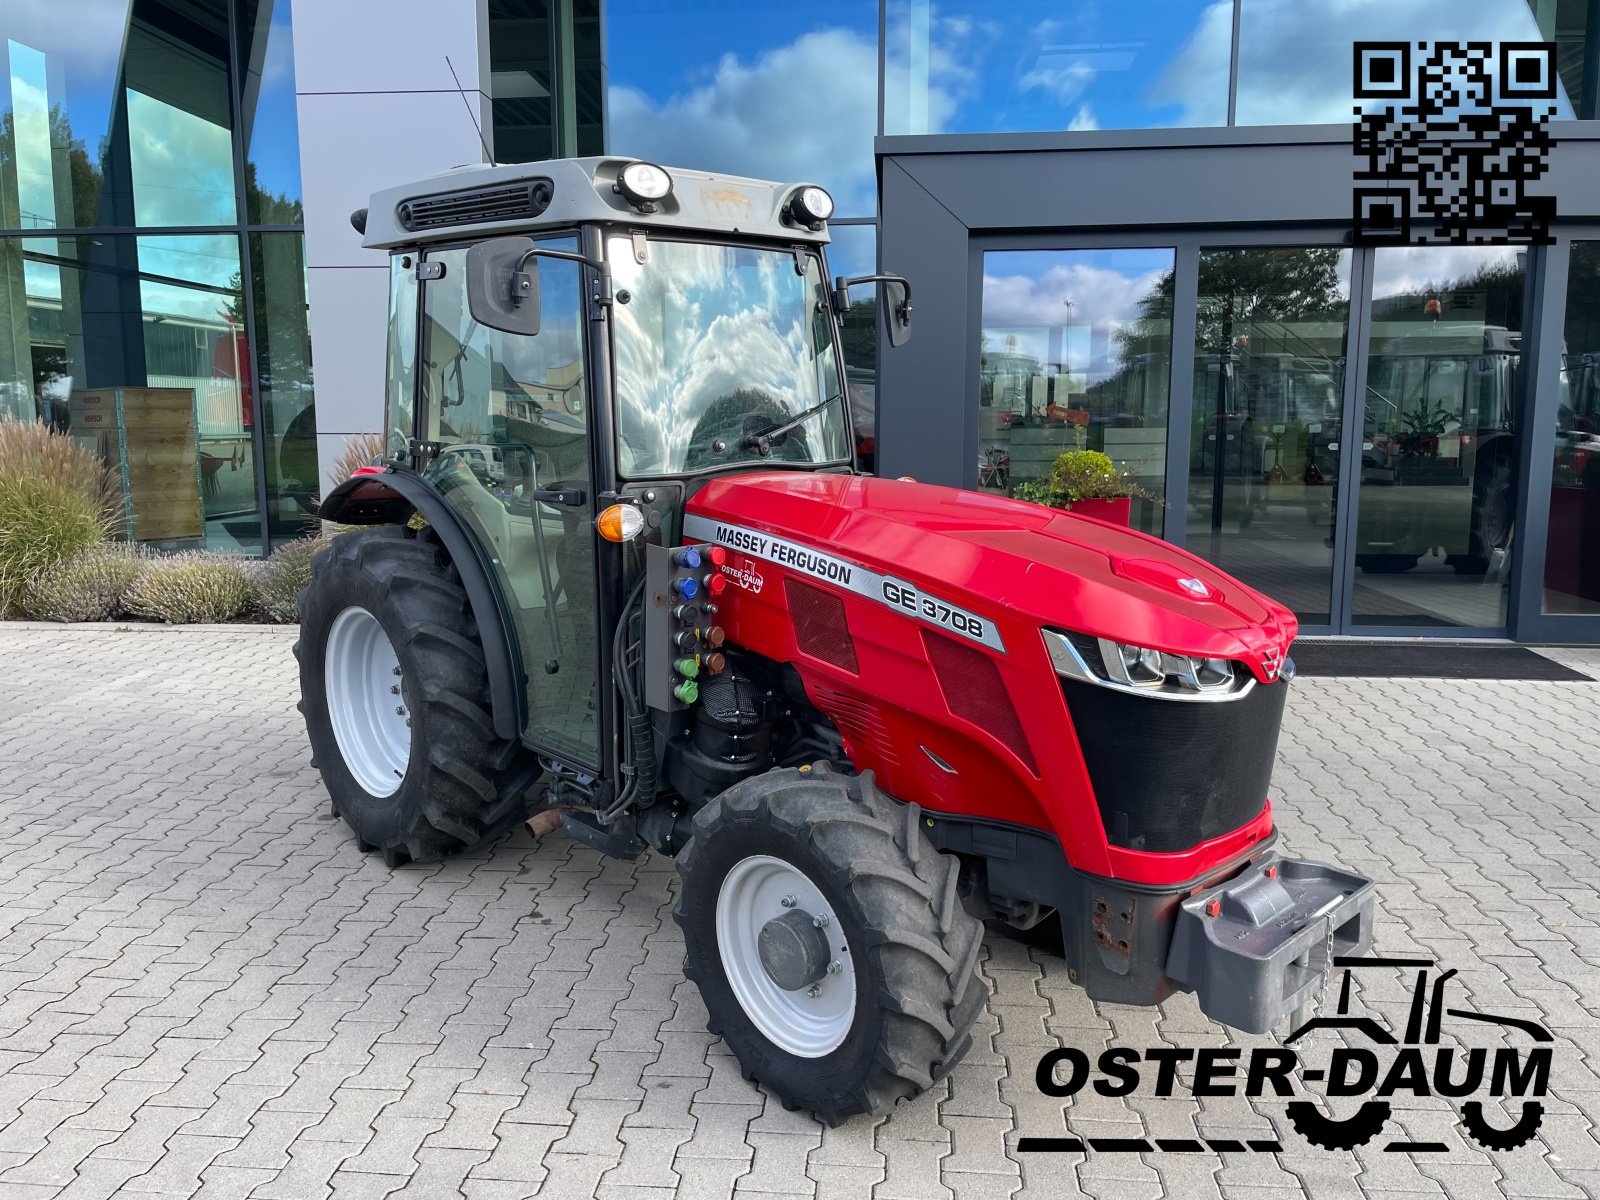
x: 811, y: 206
x: 643, y: 184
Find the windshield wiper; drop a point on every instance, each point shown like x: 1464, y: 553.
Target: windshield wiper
x: 762, y: 442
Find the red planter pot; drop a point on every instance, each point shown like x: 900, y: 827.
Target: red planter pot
x: 1118, y: 511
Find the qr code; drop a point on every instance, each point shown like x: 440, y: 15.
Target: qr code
x: 1448, y: 136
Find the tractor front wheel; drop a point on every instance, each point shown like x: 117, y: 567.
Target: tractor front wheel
x: 395, y: 694
x: 828, y: 941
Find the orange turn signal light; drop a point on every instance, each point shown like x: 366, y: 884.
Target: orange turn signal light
x: 620, y: 523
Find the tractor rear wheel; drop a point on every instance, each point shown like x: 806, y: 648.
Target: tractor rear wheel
x: 395, y: 694
x: 828, y: 941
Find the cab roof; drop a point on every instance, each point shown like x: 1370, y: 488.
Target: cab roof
x: 484, y: 200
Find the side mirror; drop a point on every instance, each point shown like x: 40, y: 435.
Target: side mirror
x: 503, y: 285
x: 894, y: 297
x: 897, y: 310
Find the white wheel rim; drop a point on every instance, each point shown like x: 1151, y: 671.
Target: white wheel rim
x: 366, y: 703
x: 753, y: 893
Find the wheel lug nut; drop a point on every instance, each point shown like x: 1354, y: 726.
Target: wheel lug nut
x: 835, y: 967
x: 814, y: 990
x: 790, y: 900
x: 820, y: 921
x: 397, y: 670
x: 394, y: 689
x: 400, y: 712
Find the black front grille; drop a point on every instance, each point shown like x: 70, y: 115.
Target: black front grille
x: 1168, y: 774
x: 517, y: 201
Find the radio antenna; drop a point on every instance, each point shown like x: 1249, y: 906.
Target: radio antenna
x: 488, y: 155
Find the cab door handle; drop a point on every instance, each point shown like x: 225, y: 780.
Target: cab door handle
x: 570, y: 497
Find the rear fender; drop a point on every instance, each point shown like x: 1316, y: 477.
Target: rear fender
x: 389, y: 497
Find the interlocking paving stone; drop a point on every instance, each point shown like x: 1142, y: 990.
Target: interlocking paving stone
x: 205, y: 989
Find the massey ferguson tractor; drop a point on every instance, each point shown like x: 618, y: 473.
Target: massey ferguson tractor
x: 618, y: 566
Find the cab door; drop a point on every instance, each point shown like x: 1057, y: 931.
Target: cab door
x: 509, y: 415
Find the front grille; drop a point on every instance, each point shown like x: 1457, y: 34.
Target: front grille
x: 974, y: 691
x: 1168, y: 774
x: 820, y: 629
x: 517, y: 201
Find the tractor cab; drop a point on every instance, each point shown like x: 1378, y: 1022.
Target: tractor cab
x: 640, y: 329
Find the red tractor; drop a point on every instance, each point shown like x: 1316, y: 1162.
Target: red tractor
x: 864, y: 715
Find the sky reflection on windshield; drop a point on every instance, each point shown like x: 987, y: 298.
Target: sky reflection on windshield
x: 715, y: 342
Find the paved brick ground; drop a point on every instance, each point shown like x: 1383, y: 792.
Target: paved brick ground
x: 206, y: 990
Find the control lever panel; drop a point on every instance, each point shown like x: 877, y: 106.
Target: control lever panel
x: 682, y: 640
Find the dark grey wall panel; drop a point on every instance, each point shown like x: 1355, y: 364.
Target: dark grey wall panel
x: 1212, y: 177
x: 923, y: 430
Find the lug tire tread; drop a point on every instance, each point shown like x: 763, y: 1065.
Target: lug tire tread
x: 471, y: 787
x: 925, y: 950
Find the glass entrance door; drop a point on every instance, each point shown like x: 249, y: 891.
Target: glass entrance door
x: 1271, y: 331
x: 1434, y: 488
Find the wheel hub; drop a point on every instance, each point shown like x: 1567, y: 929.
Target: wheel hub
x: 786, y: 956
x: 793, y: 950
x: 364, y: 689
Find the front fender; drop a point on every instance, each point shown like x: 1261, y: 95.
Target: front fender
x: 389, y: 496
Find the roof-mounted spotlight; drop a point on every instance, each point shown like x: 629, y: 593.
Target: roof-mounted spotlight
x: 809, y: 206
x: 642, y: 184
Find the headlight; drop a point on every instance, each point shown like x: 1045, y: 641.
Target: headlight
x: 643, y: 184
x: 1155, y: 673
x: 811, y: 206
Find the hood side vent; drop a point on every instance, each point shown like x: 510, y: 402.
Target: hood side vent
x: 521, y: 201
x: 974, y: 691
x: 820, y: 628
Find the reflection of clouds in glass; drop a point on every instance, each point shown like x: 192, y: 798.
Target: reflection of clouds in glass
x: 1409, y: 270
x: 88, y: 40
x: 1027, y: 314
x: 277, y: 70
x: 1294, y: 59
x: 1025, y: 67
x: 1196, y: 80
x: 30, y: 116
x: 1098, y: 294
x: 182, y: 165
x: 211, y: 259
x: 701, y: 324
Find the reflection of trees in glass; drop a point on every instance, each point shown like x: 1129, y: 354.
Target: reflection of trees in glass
x: 1498, y: 282
x: 1236, y: 287
x: 860, y: 333
x: 269, y: 208
x: 83, y: 174
x: 739, y: 414
x: 1278, y: 285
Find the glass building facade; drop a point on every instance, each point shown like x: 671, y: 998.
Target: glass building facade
x: 1217, y: 366
x: 153, y: 265
x: 152, y: 276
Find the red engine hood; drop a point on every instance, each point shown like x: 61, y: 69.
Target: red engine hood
x: 998, y: 556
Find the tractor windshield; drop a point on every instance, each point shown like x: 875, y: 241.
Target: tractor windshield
x: 716, y: 346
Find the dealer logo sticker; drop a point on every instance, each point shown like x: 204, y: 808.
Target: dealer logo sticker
x: 1373, y: 1062
x: 745, y: 576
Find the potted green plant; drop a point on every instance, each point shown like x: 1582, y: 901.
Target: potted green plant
x: 1419, y: 435
x: 1087, y: 483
